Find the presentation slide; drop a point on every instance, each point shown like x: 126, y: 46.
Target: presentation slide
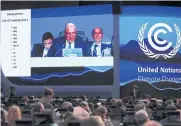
x: 58, y: 46
x: 150, y: 42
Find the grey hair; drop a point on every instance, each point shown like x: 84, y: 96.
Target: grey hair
x: 141, y: 117
x: 140, y: 106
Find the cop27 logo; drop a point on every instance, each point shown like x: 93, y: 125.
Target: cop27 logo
x: 151, y: 54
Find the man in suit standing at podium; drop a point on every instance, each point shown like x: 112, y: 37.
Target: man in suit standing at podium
x: 96, y: 48
x: 69, y: 41
x: 41, y: 50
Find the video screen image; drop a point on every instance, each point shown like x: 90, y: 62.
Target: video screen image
x: 72, y: 32
x: 150, y: 41
x: 70, y: 46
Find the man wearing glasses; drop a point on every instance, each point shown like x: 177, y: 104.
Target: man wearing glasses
x: 41, y: 50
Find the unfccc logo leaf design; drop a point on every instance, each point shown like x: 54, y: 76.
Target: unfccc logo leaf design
x: 151, y: 54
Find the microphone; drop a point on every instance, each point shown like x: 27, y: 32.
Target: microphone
x: 60, y: 49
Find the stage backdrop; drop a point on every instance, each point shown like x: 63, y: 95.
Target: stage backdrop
x: 150, y: 54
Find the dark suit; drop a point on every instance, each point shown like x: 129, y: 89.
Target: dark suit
x: 89, y: 44
x: 60, y: 43
x: 37, y: 50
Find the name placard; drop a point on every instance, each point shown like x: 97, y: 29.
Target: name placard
x: 77, y: 52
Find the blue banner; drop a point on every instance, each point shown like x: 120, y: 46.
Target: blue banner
x: 150, y: 42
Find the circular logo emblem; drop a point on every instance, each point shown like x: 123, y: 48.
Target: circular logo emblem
x: 159, y: 45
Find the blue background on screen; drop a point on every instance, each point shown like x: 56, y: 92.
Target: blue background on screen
x: 131, y: 20
x: 71, y: 11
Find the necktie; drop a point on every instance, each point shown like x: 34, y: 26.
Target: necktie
x: 94, y: 50
x: 69, y: 47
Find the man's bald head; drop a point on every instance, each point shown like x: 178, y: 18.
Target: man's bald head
x: 70, y: 32
x: 152, y: 123
x: 70, y: 25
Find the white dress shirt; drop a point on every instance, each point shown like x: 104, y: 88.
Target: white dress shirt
x: 72, y: 45
x: 98, y: 49
x: 45, y: 51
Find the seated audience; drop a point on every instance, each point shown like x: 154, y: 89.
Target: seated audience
x: 141, y: 117
x: 14, y: 113
x: 102, y: 112
x: 93, y: 112
x: 171, y: 118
